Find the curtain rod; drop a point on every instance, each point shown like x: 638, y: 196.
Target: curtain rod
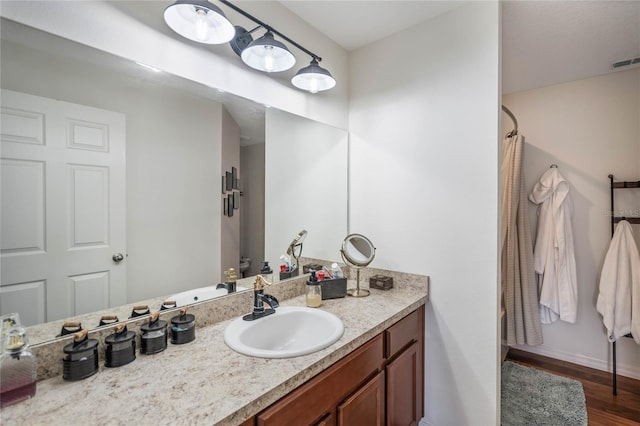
x: 513, y: 118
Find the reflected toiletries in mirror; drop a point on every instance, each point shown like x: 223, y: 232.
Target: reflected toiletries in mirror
x: 173, y: 139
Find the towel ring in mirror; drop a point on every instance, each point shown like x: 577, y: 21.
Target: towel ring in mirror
x: 357, y: 251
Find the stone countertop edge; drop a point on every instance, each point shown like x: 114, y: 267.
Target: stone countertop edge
x: 205, y: 382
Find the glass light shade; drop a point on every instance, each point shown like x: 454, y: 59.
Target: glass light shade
x: 199, y: 21
x: 267, y: 54
x: 313, y: 78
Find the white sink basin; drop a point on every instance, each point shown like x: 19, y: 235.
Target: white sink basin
x: 291, y: 331
x: 199, y: 294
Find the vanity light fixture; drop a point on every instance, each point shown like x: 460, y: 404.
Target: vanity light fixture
x: 199, y: 20
x: 313, y: 78
x: 267, y: 54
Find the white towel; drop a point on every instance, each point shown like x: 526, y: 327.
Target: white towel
x: 554, y: 253
x: 619, y: 297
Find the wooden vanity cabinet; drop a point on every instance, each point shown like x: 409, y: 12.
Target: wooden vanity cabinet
x: 380, y: 383
x: 316, y: 401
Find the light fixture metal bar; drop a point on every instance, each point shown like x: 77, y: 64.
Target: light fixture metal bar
x: 269, y: 28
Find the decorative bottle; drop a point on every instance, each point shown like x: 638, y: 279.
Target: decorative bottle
x: 18, y: 368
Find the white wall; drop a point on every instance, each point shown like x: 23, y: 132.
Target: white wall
x: 230, y: 225
x: 423, y: 186
x: 108, y: 26
x: 172, y: 167
x: 590, y: 128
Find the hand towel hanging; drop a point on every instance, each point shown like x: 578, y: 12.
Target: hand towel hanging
x: 619, y: 290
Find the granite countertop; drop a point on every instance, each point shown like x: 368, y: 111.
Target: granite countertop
x: 206, y: 382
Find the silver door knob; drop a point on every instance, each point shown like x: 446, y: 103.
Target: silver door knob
x: 118, y: 257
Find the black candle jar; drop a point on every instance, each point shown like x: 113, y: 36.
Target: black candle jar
x: 81, y: 360
x: 121, y: 347
x: 154, y: 335
x: 168, y: 304
x: 70, y: 327
x: 183, y: 328
x: 108, y: 320
x: 139, y: 311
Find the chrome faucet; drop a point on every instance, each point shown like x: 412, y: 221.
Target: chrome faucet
x: 259, y: 299
x: 230, y: 284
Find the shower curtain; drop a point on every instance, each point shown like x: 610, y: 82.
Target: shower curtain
x: 519, y: 289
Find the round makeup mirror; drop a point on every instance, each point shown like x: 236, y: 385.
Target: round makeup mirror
x: 357, y: 251
x: 295, y: 248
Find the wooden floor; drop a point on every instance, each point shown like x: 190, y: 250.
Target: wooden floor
x: 603, y: 408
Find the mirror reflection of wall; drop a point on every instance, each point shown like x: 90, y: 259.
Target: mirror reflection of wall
x: 252, y: 202
x: 306, y: 170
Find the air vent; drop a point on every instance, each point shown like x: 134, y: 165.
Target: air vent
x: 626, y: 63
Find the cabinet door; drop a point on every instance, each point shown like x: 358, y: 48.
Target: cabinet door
x: 366, y: 406
x: 404, y: 387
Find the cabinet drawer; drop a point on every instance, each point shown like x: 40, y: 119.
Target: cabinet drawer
x: 402, y: 333
x: 318, y: 397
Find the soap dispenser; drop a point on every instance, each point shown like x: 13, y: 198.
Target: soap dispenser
x: 18, y: 368
x: 232, y: 276
x: 266, y: 271
x: 314, y: 291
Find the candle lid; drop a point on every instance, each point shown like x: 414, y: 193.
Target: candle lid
x: 81, y: 343
x: 154, y: 324
x: 121, y: 335
x: 183, y: 318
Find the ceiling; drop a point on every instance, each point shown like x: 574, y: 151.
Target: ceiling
x: 544, y: 42
x: 353, y: 24
x: 551, y: 42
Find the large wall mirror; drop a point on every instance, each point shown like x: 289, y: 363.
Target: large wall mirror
x: 177, y: 138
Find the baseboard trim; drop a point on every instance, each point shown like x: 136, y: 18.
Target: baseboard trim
x: 626, y: 370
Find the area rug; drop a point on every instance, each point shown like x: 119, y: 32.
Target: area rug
x: 534, y: 397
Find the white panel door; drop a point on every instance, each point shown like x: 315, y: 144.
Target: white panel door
x: 63, y: 208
